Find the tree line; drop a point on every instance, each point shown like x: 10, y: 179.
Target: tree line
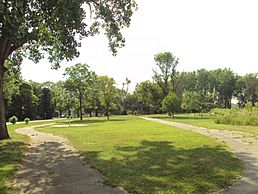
x: 83, y: 92
x: 196, y: 91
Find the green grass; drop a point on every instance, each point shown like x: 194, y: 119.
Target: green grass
x: 147, y: 157
x: 207, y: 121
x: 12, y: 151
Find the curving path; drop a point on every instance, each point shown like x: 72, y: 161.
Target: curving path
x: 244, y: 147
x: 52, y: 166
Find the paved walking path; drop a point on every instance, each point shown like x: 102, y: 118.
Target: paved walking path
x: 52, y: 166
x: 244, y: 147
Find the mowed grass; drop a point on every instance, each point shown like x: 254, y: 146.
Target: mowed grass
x: 206, y: 121
x: 146, y: 157
x: 11, y: 152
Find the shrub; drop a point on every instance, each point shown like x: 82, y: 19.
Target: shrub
x: 246, y: 116
x: 27, y: 120
x: 13, y: 119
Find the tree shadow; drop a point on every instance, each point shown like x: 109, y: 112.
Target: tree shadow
x: 249, y: 184
x: 10, y: 156
x: 158, y: 166
x: 150, y: 167
x: 52, y: 168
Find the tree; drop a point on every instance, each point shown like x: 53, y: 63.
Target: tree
x: 171, y: 104
x: 124, y: 95
x: 37, y: 91
x: 92, y: 101
x: 187, y: 82
x: 132, y: 104
x: 239, y: 92
x: 95, y: 98
x: 11, y: 85
x: 107, y: 92
x: 166, y: 76
x: 149, y: 97
x: 226, y: 84
x: 202, y: 81
x: 60, y: 95
x: 251, y: 87
x: 191, y: 102
x: 33, y: 28
x: 144, y: 96
x: 89, y: 104
x: 78, y: 80
x: 24, y: 104
x: 46, y: 104
x: 72, y: 104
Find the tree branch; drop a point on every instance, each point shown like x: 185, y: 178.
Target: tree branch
x: 15, y: 47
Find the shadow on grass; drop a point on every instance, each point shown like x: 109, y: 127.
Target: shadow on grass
x: 157, y: 166
x: 51, y: 168
x: 10, y: 156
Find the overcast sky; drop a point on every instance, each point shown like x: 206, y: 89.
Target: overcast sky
x: 202, y: 33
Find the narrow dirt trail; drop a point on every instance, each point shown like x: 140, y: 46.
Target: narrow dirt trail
x: 244, y: 147
x: 52, y: 166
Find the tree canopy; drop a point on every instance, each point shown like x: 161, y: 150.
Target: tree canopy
x: 57, y: 27
x: 35, y: 29
x: 165, y: 73
x: 171, y: 103
x: 79, y: 79
x: 107, y: 92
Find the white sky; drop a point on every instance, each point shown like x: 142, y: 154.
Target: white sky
x: 202, y: 33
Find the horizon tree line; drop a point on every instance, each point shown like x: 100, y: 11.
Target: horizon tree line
x: 83, y: 92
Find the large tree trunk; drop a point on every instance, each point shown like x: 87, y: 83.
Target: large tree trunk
x: 3, y: 128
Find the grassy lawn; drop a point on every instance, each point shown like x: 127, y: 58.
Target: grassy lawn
x: 12, y: 151
x: 207, y: 122
x: 147, y: 157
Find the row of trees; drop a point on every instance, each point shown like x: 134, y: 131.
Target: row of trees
x: 84, y: 92
x: 81, y: 92
x: 196, y: 91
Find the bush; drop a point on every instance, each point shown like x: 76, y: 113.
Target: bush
x: 13, y: 120
x: 246, y: 116
x: 27, y: 120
